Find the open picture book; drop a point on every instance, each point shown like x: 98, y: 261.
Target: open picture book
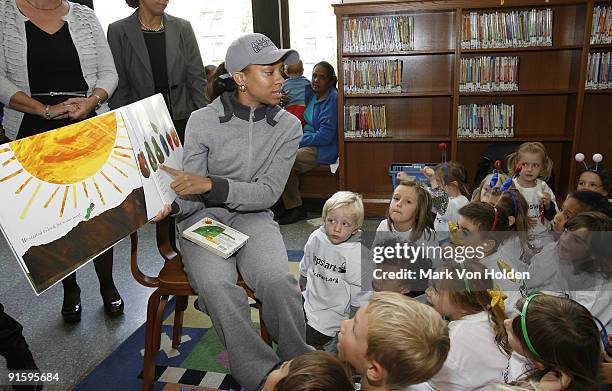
x: 73, y: 192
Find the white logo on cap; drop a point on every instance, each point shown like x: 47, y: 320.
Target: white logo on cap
x: 260, y: 44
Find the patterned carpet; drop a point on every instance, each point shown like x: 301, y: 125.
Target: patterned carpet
x: 200, y: 363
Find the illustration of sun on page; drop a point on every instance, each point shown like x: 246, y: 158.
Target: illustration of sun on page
x: 69, y: 194
x: 155, y: 143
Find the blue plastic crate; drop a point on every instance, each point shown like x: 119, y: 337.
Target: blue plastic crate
x: 413, y: 170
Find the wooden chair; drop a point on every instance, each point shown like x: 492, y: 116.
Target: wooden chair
x: 171, y: 280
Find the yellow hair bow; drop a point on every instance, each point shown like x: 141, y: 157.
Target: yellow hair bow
x: 455, y: 234
x: 497, y: 298
x: 504, y: 267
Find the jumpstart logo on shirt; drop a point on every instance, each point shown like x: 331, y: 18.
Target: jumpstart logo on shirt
x: 329, y: 266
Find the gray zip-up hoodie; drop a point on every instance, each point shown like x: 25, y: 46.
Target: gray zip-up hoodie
x: 248, y: 154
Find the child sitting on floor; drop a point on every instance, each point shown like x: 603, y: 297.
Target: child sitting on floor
x: 556, y: 345
x: 394, y: 341
x: 330, y: 271
x: 479, y: 345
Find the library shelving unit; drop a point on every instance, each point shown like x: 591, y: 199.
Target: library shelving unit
x: 551, y: 104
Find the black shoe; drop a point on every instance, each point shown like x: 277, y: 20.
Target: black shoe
x: 71, y: 307
x: 292, y: 216
x: 113, y: 303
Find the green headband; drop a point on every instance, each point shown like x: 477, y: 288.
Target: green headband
x: 524, y: 324
x: 465, y: 281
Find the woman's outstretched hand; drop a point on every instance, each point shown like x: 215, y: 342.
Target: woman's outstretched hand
x: 186, y: 183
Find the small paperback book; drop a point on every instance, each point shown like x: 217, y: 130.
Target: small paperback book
x: 216, y: 237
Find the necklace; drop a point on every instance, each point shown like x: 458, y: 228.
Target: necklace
x: 149, y: 28
x: 46, y: 9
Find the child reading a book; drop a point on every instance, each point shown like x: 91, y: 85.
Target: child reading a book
x: 394, y: 341
x: 330, y: 270
x: 295, y: 87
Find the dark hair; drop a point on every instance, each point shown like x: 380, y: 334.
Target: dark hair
x: 603, y: 173
x: 221, y: 85
x: 484, y: 216
x: 599, y: 226
x: 208, y: 69
x: 133, y: 3
x: 472, y: 295
x: 320, y: 371
x: 592, y: 201
x: 512, y: 203
x: 330, y: 70
x: 565, y: 337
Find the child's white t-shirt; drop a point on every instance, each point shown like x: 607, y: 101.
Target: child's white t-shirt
x: 426, y: 240
x: 539, y: 230
x: 518, y: 367
x: 475, y: 361
x: 333, y: 284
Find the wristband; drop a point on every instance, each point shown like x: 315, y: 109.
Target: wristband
x: 47, y: 114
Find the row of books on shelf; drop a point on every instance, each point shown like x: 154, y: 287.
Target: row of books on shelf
x: 365, y: 121
x: 489, y: 74
x: 601, y: 29
x: 372, y: 76
x: 378, y: 34
x: 599, y: 71
x: 507, y: 29
x: 488, y: 120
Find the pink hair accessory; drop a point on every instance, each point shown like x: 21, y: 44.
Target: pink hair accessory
x: 597, y: 158
x: 580, y: 159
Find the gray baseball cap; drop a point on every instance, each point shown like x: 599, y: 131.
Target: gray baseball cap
x: 256, y: 48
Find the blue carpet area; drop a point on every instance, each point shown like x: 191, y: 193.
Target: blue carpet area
x: 122, y: 368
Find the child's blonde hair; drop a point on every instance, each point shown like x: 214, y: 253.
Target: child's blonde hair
x: 342, y: 199
x: 531, y: 147
x: 407, y: 338
x: 423, y: 222
x: 295, y: 69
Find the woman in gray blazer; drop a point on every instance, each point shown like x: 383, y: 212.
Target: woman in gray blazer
x: 157, y: 53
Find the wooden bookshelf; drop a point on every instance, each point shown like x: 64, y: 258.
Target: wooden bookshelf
x: 551, y: 105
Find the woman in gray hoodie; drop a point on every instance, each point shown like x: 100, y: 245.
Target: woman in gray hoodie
x: 239, y: 151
